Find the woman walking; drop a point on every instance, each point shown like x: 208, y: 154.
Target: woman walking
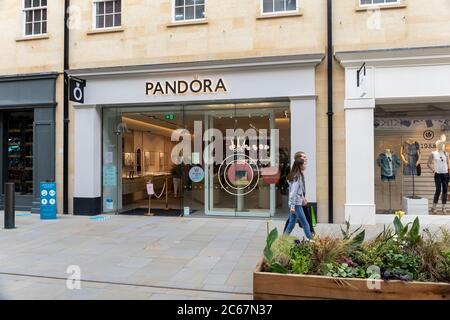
x: 297, y: 198
x: 307, y: 208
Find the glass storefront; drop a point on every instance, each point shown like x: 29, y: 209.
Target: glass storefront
x: 222, y: 159
x: 19, y: 150
x: 412, y: 144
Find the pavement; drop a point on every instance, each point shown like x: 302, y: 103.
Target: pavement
x: 136, y: 257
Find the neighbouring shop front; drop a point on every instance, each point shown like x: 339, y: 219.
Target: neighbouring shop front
x: 212, y: 138
x: 408, y: 153
x: 397, y: 111
x: 27, y: 135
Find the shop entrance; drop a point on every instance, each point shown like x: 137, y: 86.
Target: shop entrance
x: 17, y: 160
x: 225, y: 159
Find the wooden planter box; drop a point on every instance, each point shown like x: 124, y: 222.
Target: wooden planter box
x: 275, y: 286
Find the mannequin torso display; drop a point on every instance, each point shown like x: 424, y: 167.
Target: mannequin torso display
x: 389, y: 164
x: 410, y: 153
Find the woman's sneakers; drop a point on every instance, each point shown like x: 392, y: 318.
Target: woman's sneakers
x: 435, y: 210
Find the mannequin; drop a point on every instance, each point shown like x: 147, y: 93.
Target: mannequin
x: 389, y: 164
x: 439, y: 163
x: 410, y: 153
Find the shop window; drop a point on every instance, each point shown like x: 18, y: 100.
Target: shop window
x: 19, y: 151
x: 189, y: 10
x: 378, y: 2
x: 108, y: 14
x: 275, y: 6
x: 411, y: 157
x: 244, y: 176
x: 35, y: 17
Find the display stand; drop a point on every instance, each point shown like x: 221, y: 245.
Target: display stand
x: 414, y: 190
x: 167, y: 194
x: 150, y: 192
x: 417, y: 206
x: 390, y: 211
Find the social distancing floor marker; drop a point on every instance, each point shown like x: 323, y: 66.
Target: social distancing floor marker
x: 23, y: 215
x: 99, y: 218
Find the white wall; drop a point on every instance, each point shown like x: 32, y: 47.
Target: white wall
x: 359, y: 163
x: 88, y: 157
x: 245, y: 84
x: 403, y: 83
x: 303, y: 138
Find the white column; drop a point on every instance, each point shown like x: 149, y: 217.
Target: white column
x: 88, y: 157
x: 359, y: 150
x: 303, y: 138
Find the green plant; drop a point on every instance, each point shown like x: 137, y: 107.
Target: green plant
x: 372, y: 253
x: 401, y: 231
x: 402, y: 254
x: 354, y: 241
x: 271, y: 237
x: 385, y: 235
x: 429, y: 252
x: 343, y: 270
x: 327, y: 250
x: 445, y: 238
x: 301, y: 257
x: 281, y: 249
x: 444, y: 267
x: 270, y: 264
x: 402, y: 264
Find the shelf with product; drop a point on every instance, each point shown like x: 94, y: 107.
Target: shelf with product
x: 19, y: 150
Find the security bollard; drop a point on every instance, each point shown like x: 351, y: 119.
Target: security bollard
x: 10, y: 200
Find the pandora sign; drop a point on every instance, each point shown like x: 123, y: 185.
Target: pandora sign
x: 178, y: 87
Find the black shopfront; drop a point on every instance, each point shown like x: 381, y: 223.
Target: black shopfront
x: 27, y: 135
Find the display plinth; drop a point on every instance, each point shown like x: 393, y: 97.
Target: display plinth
x: 415, y: 206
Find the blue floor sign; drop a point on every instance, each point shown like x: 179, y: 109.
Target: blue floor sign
x: 48, y: 200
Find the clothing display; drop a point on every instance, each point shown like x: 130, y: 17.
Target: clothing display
x: 419, y: 170
x: 389, y: 164
x: 411, y: 152
x: 441, y: 180
x: 387, y: 178
x: 439, y: 159
x: 421, y: 185
x: 438, y: 162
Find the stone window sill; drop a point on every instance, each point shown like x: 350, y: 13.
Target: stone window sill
x: 106, y: 30
x: 297, y: 13
x: 400, y: 5
x: 187, y: 23
x: 36, y: 37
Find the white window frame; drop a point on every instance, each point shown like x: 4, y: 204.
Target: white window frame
x: 94, y: 16
x: 297, y: 8
x: 186, y: 20
x: 397, y: 2
x: 24, y: 20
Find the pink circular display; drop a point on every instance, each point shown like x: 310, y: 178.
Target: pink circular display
x: 240, y: 174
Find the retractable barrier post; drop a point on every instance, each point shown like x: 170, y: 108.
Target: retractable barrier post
x: 10, y: 200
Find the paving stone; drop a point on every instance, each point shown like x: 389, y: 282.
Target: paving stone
x: 169, y: 256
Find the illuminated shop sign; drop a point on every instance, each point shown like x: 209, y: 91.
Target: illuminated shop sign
x: 177, y: 87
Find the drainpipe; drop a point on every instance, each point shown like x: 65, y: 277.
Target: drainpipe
x: 330, y: 107
x: 66, y: 111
